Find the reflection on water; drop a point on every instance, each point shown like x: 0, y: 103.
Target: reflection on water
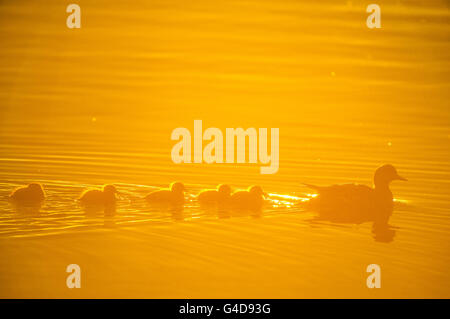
x: 383, y: 232
x: 107, y: 211
x: 27, y: 210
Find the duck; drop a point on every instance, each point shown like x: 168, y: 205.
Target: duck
x: 174, y: 195
x: 250, y: 199
x: 32, y: 194
x: 97, y: 197
x: 221, y: 195
x: 357, y: 203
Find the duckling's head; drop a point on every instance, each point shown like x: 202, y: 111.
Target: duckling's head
x: 177, y: 187
x: 109, y: 189
x: 257, y: 190
x: 36, y: 188
x: 386, y: 174
x: 224, y: 189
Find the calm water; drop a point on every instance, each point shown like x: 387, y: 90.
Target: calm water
x: 82, y: 108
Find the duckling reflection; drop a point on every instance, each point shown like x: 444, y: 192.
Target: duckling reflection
x: 223, y: 213
x: 177, y: 213
x: 172, y: 196
x: 95, y: 210
x: 27, y: 209
x: 219, y: 197
x: 357, y: 203
x: 95, y: 200
x: 251, y: 199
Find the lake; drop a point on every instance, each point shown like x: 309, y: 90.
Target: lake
x: 80, y: 108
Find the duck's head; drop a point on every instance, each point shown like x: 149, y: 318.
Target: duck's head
x: 177, y: 187
x: 36, y: 188
x: 257, y: 190
x: 224, y: 189
x: 109, y: 189
x: 386, y: 174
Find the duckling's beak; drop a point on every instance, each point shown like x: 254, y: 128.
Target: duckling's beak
x: 265, y: 194
x: 401, y: 178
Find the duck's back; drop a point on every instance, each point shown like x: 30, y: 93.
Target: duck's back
x: 345, y: 190
x: 346, y: 203
x: 92, y: 197
x: 19, y: 194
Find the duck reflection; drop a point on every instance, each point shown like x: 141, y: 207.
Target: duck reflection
x: 98, y: 210
x: 176, y: 213
x: 383, y: 233
x: 31, y: 210
x: 175, y: 210
x: 105, y: 213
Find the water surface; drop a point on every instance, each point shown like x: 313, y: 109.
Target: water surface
x: 83, y: 108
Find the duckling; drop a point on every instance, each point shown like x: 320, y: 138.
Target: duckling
x: 251, y: 199
x: 357, y: 203
x: 97, y: 197
x: 220, y: 196
x: 32, y: 194
x: 173, y: 196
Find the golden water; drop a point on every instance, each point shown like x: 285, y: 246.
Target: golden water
x: 86, y: 107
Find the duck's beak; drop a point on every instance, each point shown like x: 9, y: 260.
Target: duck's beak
x: 265, y: 194
x: 401, y: 178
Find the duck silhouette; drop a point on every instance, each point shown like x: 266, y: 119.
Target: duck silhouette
x: 251, y: 199
x: 97, y: 197
x: 30, y: 195
x: 173, y: 196
x: 357, y: 203
x: 221, y: 195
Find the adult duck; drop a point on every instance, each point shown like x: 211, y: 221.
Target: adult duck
x: 357, y: 203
